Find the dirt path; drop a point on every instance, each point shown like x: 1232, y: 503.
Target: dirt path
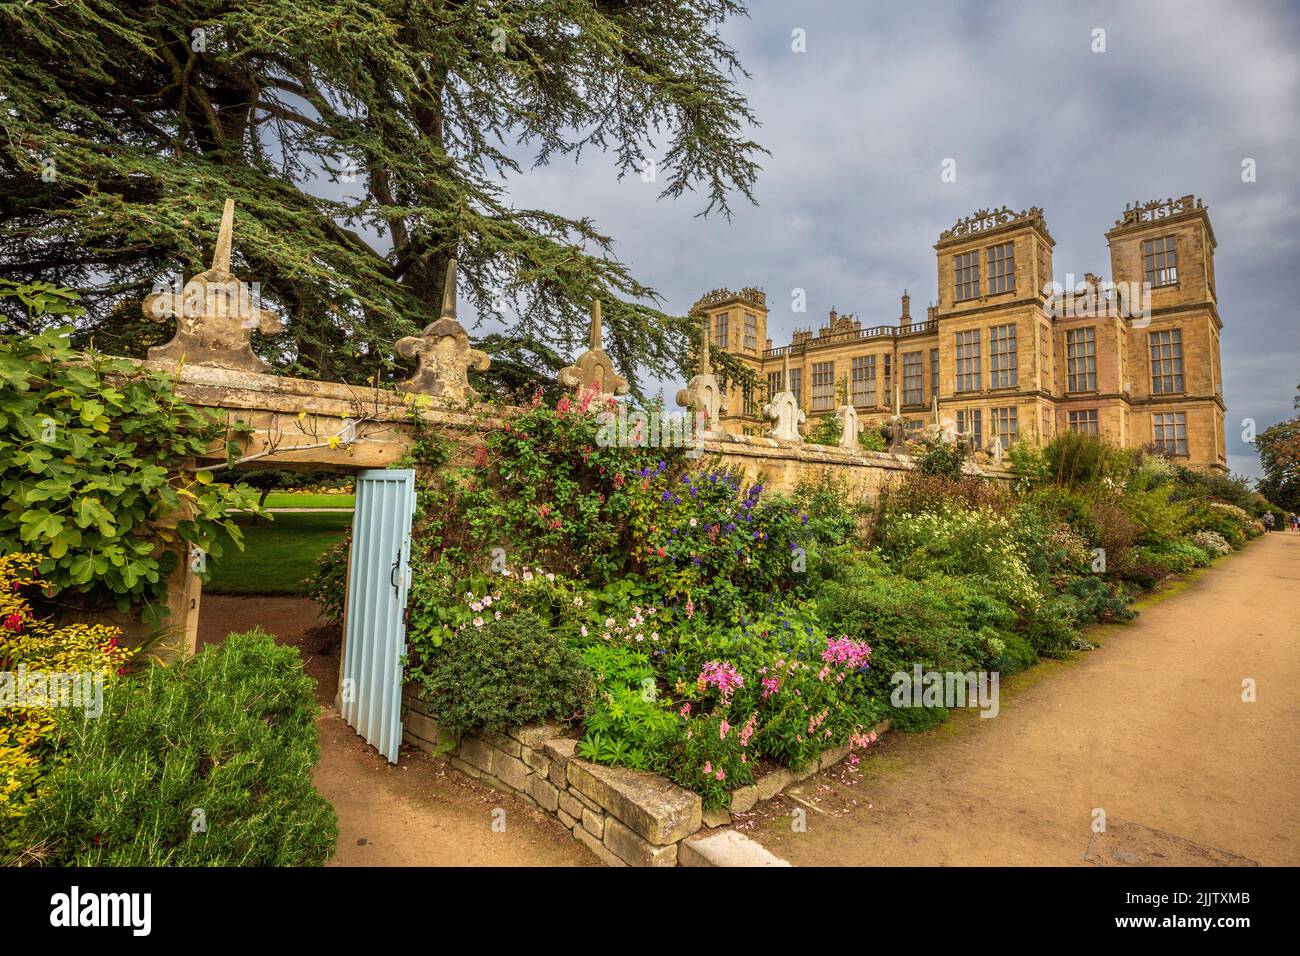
x: 418, y: 813
x: 1151, y: 728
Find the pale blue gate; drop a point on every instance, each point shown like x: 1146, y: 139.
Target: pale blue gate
x: 370, y: 689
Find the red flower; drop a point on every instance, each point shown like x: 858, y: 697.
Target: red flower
x: 14, y: 622
x: 660, y: 552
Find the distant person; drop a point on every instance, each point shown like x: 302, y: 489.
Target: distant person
x: 1268, y: 520
x: 1295, y: 521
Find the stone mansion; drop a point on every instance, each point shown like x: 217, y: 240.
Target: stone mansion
x: 1010, y: 355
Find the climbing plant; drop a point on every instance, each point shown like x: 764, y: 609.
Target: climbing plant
x: 94, y: 468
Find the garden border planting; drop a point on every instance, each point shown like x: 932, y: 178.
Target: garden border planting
x: 625, y: 817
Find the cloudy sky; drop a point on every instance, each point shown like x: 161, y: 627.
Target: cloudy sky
x: 850, y: 201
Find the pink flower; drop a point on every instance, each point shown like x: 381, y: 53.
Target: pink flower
x: 686, y: 710
x: 770, y: 686
x: 708, y: 767
x: 721, y: 675
x: 721, y: 774
x: 748, y: 730
x: 722, y: 730
x: 853, y: 655
x: 690, y: 605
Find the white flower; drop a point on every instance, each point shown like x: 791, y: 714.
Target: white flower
x: 487, y: 600
x: 476, y: 606
x: 583, y: 630
x: 577, y: 600
x: 498, y: 614
x: 550, y: 577
x: 609, y: 622
x: 528, y: 575
x: 692, y: 522
x: 478, y: 622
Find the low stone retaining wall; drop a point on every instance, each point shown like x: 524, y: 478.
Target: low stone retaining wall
x: 625, y: 817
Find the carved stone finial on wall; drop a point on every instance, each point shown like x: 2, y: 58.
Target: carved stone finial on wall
x: 848, y: 427
x: 894, y: 428
x: 702, y: 392
x: 215, y: 313
x: 783, y: 410
x: 444, y: 353
x: 593, y: 368
x: 995, y: 449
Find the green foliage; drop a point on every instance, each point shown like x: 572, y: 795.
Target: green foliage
x: 943, y: 459
x: 328, y: 582
x: 503, y: 674
x: 93, y: 455
x: 828, y: 431
x: 146, y: 127
x: 940, y: 622
x: 627, y: 724
x: 1075, y: 460
x: 230, y: 733
x: 1279, y: 457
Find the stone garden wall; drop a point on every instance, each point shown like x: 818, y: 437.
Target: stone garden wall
x: 625, y: 817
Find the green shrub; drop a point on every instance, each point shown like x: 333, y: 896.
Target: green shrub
x: 205, y: 763
x: 1213, y: 544
x: 503, y: 674
x: 1016, y: 655
x: 1178, y: 556
x: 942, y: 458
x: 939, y: 622
x: 1075, y: 460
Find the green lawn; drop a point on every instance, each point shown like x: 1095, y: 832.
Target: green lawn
x: 278, y: 555
x: 287, y: 500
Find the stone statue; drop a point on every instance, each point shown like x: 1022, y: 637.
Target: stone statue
x: 783, y: 410
x: 702, y: 392
x: 215, y: 314
x: 594, y: 369
x: 848, y: 427
x: 444, y: 353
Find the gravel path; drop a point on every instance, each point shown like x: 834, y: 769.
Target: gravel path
x: 1151, y: 728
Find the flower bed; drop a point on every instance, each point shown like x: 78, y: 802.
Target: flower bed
x: 686, y: 623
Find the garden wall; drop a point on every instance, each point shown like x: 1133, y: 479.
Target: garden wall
x: 625, y: 817
x: 273, y: 404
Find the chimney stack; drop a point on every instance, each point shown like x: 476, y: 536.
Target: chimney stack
x: 907, y: 308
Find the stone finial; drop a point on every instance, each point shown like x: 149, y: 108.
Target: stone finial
x: 995, y: 449
x: 894, y: 428
x: 444, y: 353
x: 935, y: 432
x: 702, y: 392
x: 593, y: 368
x: 848, y: 427
x: 783, y: 410
x: 215, y: 313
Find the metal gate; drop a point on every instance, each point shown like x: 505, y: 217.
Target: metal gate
x: 370, y: 689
